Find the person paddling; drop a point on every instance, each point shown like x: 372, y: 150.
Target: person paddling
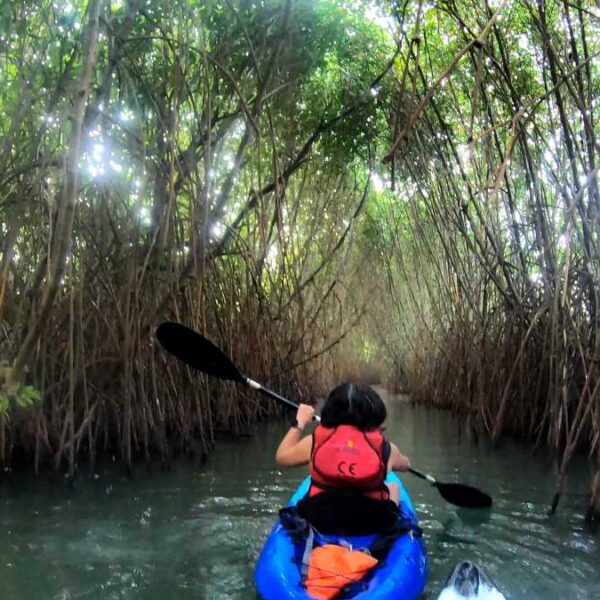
x: 348, y: 458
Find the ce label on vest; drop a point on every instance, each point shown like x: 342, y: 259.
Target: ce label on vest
x: 350, y: 469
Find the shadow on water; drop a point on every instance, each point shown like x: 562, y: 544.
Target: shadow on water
x: 195, y: 532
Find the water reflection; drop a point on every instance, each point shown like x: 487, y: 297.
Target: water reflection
x: 196, y: 532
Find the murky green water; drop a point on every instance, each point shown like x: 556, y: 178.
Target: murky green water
x: 196, y: 532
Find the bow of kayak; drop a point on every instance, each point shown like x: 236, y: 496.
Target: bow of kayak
x: 468, y: 581
x: 402, y: 574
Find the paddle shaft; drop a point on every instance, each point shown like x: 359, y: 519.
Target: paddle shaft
x: 425, y: 476
x: 267, y: 392
x: 271, y: 394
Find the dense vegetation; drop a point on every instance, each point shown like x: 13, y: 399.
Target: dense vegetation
x: 315, y: 185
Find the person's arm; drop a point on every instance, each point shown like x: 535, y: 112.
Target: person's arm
x: 294, y: 450
x: 397, y: 461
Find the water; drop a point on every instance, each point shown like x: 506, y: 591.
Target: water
x: 196, y: 532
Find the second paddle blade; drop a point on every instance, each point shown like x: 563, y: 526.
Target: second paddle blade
x: 196, y: 351
x: 464, y: 495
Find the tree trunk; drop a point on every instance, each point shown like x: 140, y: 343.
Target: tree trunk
x: 66, y: 206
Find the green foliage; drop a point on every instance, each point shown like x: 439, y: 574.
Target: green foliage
x: 14, y: 397
x: 28, y: 396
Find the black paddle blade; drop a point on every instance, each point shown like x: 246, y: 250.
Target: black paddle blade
x: 196, y: 351
x: 464, y: 495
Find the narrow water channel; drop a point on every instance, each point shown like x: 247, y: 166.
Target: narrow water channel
x: 196, y: 532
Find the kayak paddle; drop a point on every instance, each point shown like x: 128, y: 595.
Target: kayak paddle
x: 201, y: 354
x: 462, y: 495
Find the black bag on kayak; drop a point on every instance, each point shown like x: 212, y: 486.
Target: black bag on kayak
x: 347, y: 514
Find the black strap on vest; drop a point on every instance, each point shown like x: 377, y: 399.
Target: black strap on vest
x: 385, y: 454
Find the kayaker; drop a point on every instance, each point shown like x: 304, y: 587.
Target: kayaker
x: 348, y: 457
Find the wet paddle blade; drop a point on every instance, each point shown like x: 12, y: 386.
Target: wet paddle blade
x: 196, y: 351
x: 464, y: 495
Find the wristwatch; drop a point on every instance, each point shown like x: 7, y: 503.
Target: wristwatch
x: 297, y: 425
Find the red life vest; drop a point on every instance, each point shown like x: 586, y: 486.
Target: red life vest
x: 345, y: 458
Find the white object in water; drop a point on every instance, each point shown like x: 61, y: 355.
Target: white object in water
x: 469, y: 581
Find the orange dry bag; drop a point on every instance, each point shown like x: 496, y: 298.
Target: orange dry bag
x: 332, y: 567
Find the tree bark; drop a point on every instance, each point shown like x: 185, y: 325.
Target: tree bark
x: 66, y: 205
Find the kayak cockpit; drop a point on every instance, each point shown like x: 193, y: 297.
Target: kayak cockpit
x: 401, y: 574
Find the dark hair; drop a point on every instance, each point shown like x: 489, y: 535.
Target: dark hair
x: 353, y: 404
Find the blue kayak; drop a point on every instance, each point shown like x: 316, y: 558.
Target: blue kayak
x: 402, y: 574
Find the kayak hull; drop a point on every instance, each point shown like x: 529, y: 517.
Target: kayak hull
x: 402, y: 574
